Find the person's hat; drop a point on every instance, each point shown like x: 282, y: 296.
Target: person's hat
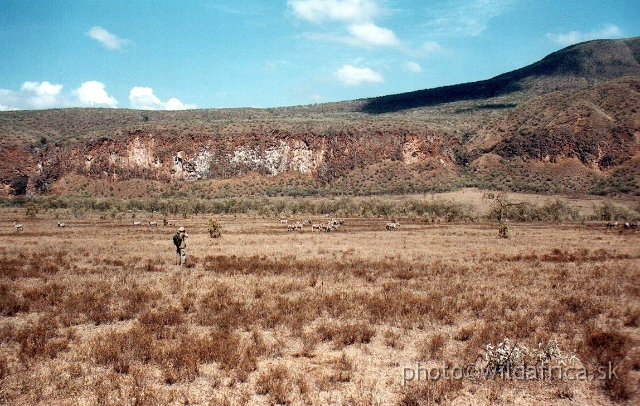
x: 181, y: 229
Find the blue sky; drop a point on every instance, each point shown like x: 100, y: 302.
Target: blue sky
x: 159, y: 54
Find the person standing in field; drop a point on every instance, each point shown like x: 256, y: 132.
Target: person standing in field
x: 181, y: 245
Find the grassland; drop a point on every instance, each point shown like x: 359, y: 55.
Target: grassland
x: 97, y: 314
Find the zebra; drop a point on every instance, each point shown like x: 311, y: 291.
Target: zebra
x: 153, y: 223
x: 62, y: 225
x: 337, y: 222
x: 136, y: 223
x: 17, y: 226
x: 316, y: 227
x: 393, y: 225
x: 329, y: 227
x: 611, y: 225
x: 294, y: 226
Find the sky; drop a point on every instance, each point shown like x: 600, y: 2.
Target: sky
x: 174, y: 55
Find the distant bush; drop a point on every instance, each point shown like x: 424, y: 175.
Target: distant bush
x: 556, y: 210
x: 609, y: 211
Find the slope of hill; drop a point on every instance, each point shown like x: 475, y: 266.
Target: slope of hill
x: 568, y: 123
x: 577, y: 66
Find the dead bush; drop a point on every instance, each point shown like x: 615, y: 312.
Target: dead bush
x: 221, y: 346
x: 602, y: 347
x: 178, y: 359
x: 41, y: 339
x: 45, y: 297
x: 10, y: 304
x: 220, y: 308
x: 136, y: 299
x: 464, y: 334
x: 432, y: 392
x: 346, y: 334
x: 4, y: 367
x: 433, y: 348
x: 393, y: 339
x: 14, y: 268
x: 276, y: 383
x: 162, y: 322
x: 93, y: 303
x: 343, y: 369
x: 608, y: 349
x: 120, y: 348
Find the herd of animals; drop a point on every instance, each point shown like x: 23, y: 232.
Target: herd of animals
x: 625, y: 226
x: 330, y: 225
x: 334, y: 224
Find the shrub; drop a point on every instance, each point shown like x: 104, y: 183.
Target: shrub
x: 10, y: 304
x: 430, y: 392
x: 276, y: 383
x: 215, y: 231
x: 346, y: 334
x: 31, y: 209
x: 41, y: 339
x: 609, y: 211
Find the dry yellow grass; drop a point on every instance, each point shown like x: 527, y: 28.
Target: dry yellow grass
x: 96, y: 312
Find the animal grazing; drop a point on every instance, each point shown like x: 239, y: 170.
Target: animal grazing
x: 17, y: 226
x: 62, y: 225
x: 328, y: 227
x: 612, y: 224
x: 393, y: 226
x: 136, y: 223
x: 294, y: 226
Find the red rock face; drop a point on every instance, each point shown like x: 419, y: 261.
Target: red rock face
x: 155, y: 155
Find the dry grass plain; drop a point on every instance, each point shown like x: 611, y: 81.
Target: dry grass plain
x: 97, y: 314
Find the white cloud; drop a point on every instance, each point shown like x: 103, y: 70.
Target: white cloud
x: 45, y: 95
x: 317, y: 11
x: 466, y: 18
x: 352, y: 76
x: 9, y: 100
x: 429, y: 47
x: 354, y: 20
x: 142, y: 98
x: 175, y: 104
x: 413, y: 67
x: 107, y: 39
x: 369, y: 34
x: 42, y: 89
x: 92, y: 94
x: 573, y: 37
x: 39, y: 95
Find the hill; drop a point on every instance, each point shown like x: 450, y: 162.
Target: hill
x: 577, y: 66
x: 568, y: 123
